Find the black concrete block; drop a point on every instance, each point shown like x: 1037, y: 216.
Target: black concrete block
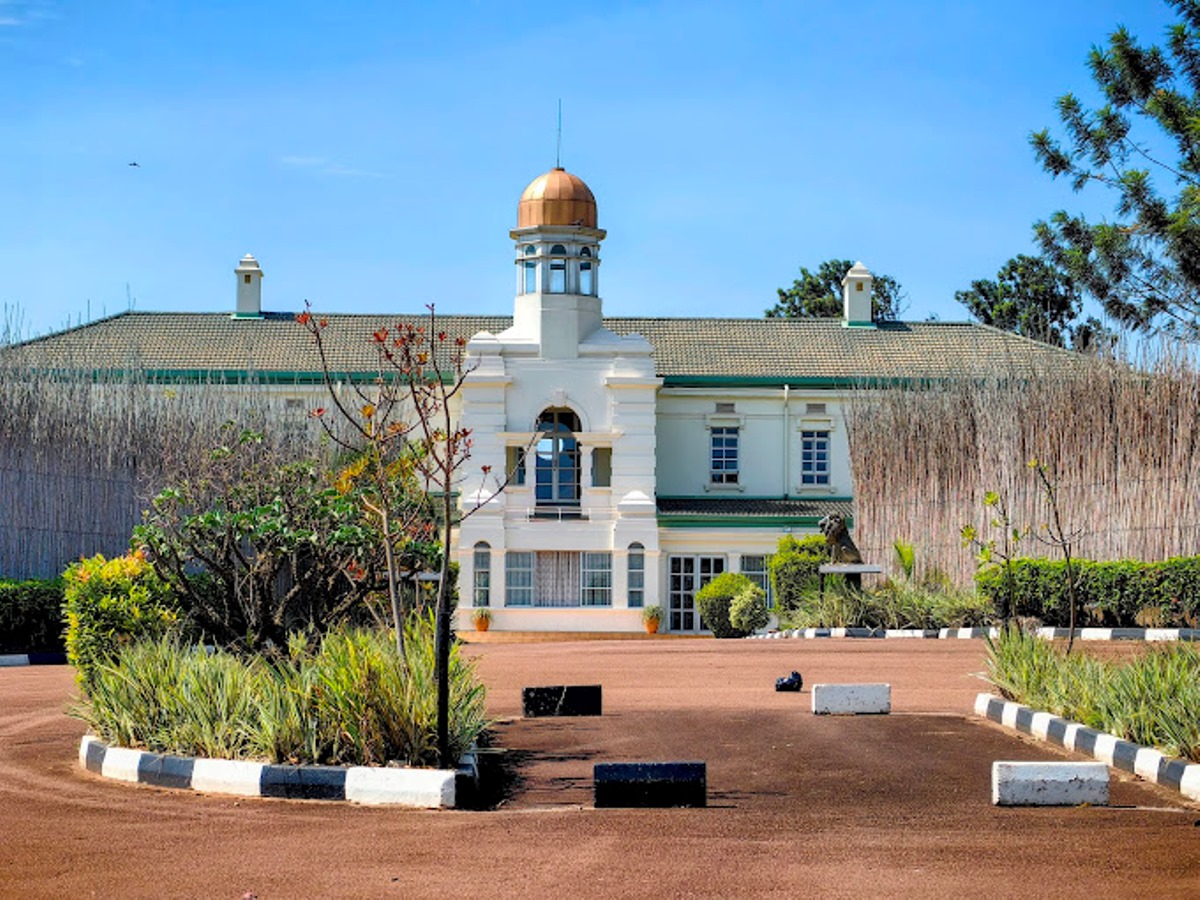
x: 650, y: 784
x: 1128, y: 634
x: 1056, y: 731
x: 1085, y: 740
x: 303, y: 782
x: 995, y: 709
x: 561, y: 700
x: 47, y: 658
x: 1025, y: 720
x: 1125, y: 755
x: 1170, y: 772
x: 95, y: 756
x: 166, y: 771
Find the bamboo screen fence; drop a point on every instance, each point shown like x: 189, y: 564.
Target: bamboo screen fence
x: 82, y: 453
x: 1122, y: 441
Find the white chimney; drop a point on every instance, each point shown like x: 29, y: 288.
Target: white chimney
x: 249, y: 288
x: 856, y: 296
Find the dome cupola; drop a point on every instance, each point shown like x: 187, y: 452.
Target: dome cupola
x: 557, y: 198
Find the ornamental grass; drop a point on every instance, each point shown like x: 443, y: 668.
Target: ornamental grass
x: 1152, y: 700
x: 345, y: 699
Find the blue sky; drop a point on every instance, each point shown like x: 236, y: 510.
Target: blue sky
x: 371, y: 154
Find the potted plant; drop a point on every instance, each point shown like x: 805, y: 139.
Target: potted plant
x: 482, y: 617
x: 651, y: 616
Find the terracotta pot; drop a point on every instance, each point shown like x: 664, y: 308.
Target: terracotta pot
x: 651, y: 626
x: 482, y: 624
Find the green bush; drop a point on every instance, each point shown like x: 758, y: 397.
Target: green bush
x: 346, y: 700
x: 1153, y: 700
x: 31, y: 616
x: 794, y: 566
x: 1122, y: 593
x: 714, y: 601
x: 110, y: 602
x: 748, y: 611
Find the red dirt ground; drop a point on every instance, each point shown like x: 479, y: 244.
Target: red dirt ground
x: 799, y: 805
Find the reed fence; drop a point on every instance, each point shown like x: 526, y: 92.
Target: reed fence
x: 1122, y: 440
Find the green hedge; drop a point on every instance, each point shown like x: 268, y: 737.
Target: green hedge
x: 715, y: 600
x: 794, y: 574
x: 1125, y: 593
x: 31, y: 616
x: 110, y: 603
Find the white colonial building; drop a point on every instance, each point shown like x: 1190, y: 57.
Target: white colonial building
x: 648, y: 454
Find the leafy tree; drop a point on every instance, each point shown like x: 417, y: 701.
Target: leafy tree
x: 1032, y: 298
x: 403, y: 418
x: 1144, y: 267
x: 818, y: 295
x: 254, y: 547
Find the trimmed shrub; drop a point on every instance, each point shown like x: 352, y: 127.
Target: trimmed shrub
x: 748, y: 611
x: 1123, y: 593
x: 794, y: 566
x: 31, y: 616
x: 345, y: 699
x: 715, y: 599
x: 109, y: 603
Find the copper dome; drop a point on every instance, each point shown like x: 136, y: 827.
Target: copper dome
x: 557, y: 198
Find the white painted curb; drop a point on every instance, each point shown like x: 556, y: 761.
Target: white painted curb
x: 851, y: 699
x: 1049, y: 783
x: 226, y: 776
x: 428, y: 788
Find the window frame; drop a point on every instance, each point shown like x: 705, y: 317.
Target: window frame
x: 595, y: 578
x: 519, y: 563
x: 815, y: 459
x: 635, y: 576
x: 481, y: 587
x: 724, y: 454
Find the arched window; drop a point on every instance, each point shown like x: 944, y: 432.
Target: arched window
x: 556, y: 459
x: 482, y: 595
x: 637, y: 575
x: 587, y: 284
x: 558, y: 270
x: 530, y: 267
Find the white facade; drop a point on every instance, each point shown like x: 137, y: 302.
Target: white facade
x: 591, y: 441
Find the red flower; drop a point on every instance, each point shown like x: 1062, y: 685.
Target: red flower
x: 303, y: 318
x: 317, y: 413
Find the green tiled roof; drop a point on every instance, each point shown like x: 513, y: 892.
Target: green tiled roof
x: 693, y: 350
x: 749, y: 512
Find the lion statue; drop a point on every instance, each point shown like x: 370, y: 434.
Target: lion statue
x: 837, y: 536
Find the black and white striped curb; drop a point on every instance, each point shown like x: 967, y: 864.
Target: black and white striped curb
x: 1049, y: 634
x: 49, y: 658
x: 371, y: 785
x: 1144, y: 762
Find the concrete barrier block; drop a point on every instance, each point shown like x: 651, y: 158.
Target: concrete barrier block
x: 227, y: 776
x: 419, y: 788
x: 13, y: 659
x: 1049, y: 783
x: 121, y: 764
x: 561, y: 700
x: 650, y: 784
x: 851, y: 699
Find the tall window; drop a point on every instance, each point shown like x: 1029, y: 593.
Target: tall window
x: 724, y: 459
x: 637, y: 575
x: 587, y: 284
x: 530, y: 269
x: 518, y: 578
x: 596, y: 579
x: 814, y: 457
x: 757, y: 569
x: 482, y: 595
x: 556, y: 459
x: 558, y: 270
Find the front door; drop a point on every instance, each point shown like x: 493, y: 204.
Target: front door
x: 687, y: 574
